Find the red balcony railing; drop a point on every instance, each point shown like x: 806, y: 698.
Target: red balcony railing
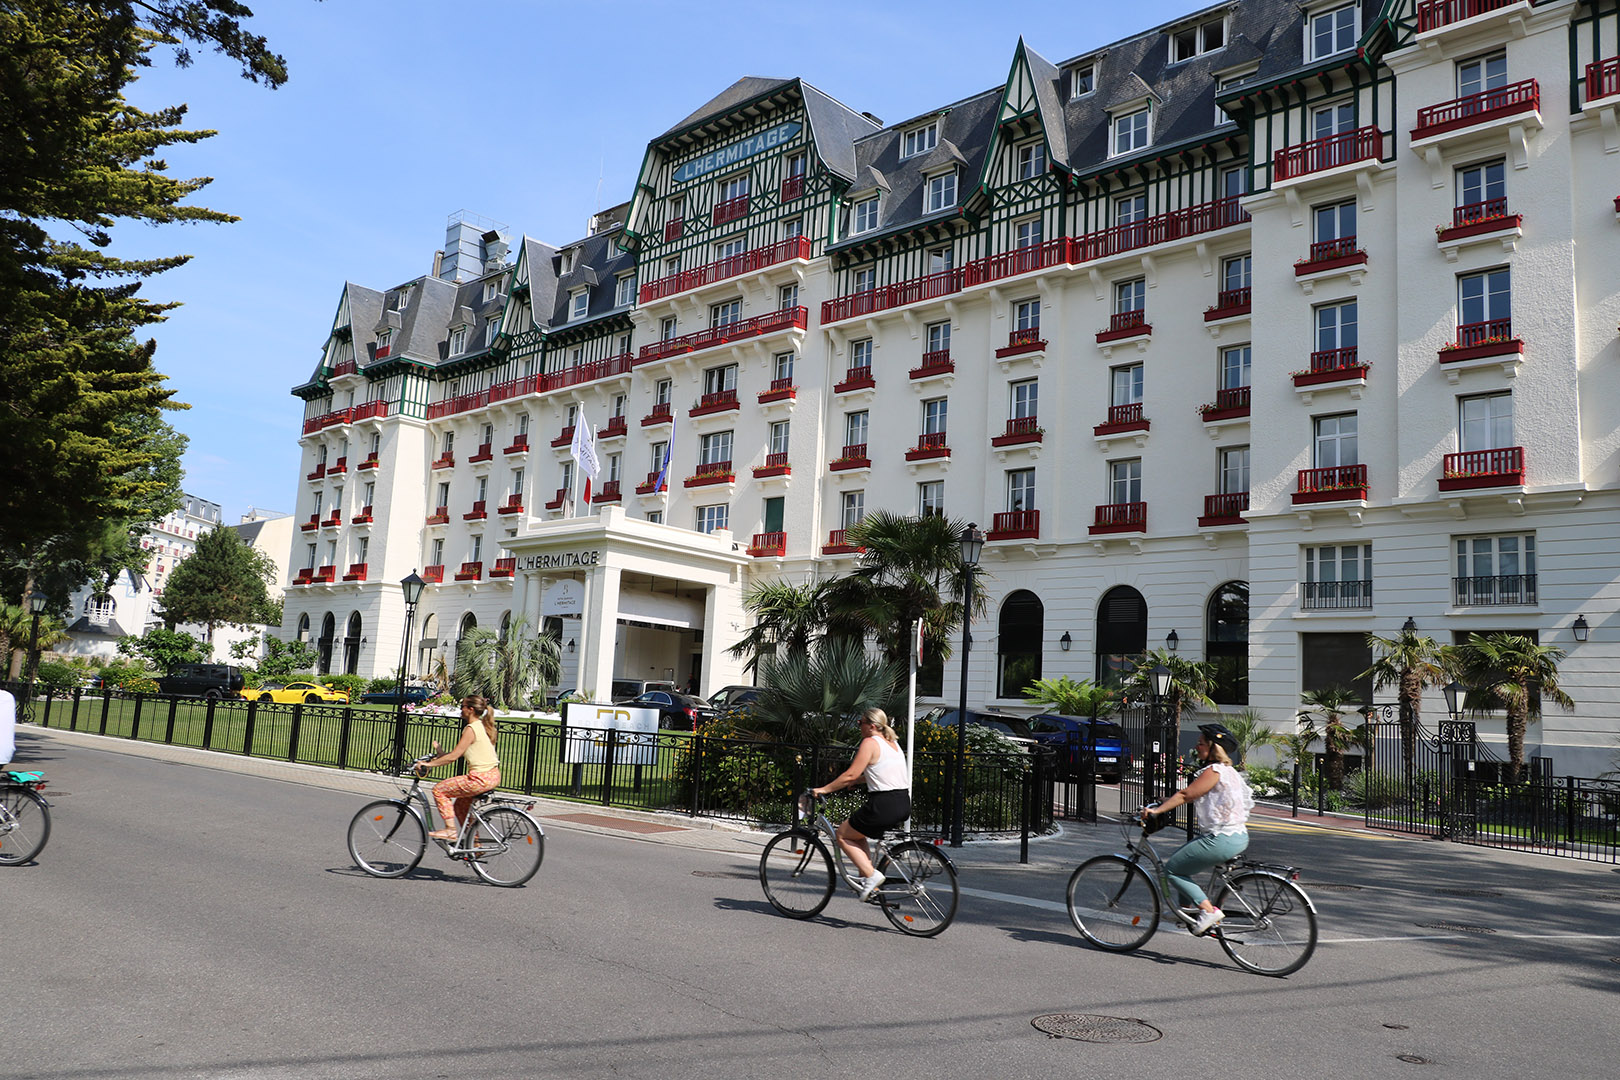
x: 673, y: 228
x: 513, y: 505
x: 370, y: 410
x: 503, y: 568
x: 433, y: 575
x: 714, y: 472
x: 347, y: 367
x: 1324, y: 251
x: 615, y: 427
x: 475, y: 399
x: 781, y: 390
x: 1500, y: 467
x: 1477, y: 108
x: 1119, y: 517
x: 747, y: 262
x: 1330, y: 484
x: 514, y: 388
x: 445, y: 461
x: 767, y: 544
x: 610, y: 492
x: 769, y: 323
x: 929, y: 445
x: 650, y: 486
x: 938, y: 362
x: 381, y: 352
x: 1023, y: 260
x: 868, y: 301
x: 1015, y: 525
x: 590, y: 371
x: 564, y: 437
x: 1020, y: 429
x: 326, y: 420
x: 1229, y: 303
x: 440, y: 516
x: 1229, y: 404
x: 326, y: 575
x: 477, y: 513
x: 838, y: 543
x: 306, y: 575
x: 1125, y: 324
x: 320, y: 471
x: 485, y: 452
x: 1331, y: 365
x: 719, y: 401
x: 775, y: 465
x: 333, y: 522
x: 730, y: 210
x: 1122, y: 418
x: 1327, y: 153
x: 1224, y: 509
x: 1603, y: 78
x: 357, y: 572
x: 853, y: 457
x: 371, y: 462
x: 520, y: 445
x: 314, y: 522
x: 557, y: 500
x: 470, y: 571
x: 1490, y: 332
x: 1486, y: 216
x: 662, y: 413
x: 1433, y: 14
x: 792, y: 188
x: 363, y: 517
x: 1160, y: 229
x: 340, y: 466
x: 1027, y: 340
x: 856, y: 378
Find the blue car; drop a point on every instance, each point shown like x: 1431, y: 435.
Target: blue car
x: 1076, y: 737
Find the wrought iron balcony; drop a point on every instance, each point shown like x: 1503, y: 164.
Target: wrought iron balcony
x: 780, y: 390
x: 717, y: 402
x: 1027, y: 340
x: 1331, y: 366
x: 1123, y: 418
x: 1329, y: 152
x: 520, y: 445
x: 590, y: 371
x: 938, y: 362
x: 775, y: 465
x: 615, y: 427
x: 610, y: 492
x: 853, y: 457
x: 326, y: 575
x: 856, y: 378
x: 769, y: 323
x: 929, y: 446
x: 371, y: 462
x: 445, y: 461
x: 1494, y: 590
x: 326, y: 420
x: 713, y: 472
x: 662, y: 413
x: 1493, y: 337
x: 1331, y: 255
x: 557, y: 500
x: 838, y: 544
x: 1501, y: 467
x: 792, y: 187
x: 730, y: 210
x: 1475, y: 219
x: 1433, y: 14
x: 340, y: 466
x: 1335, y: 595
x: 440, y: 516
x: 513, y: 505
x: 1603, y: 79
x: 485, y: 452
x: 564, y: 437
x: 475, y: 399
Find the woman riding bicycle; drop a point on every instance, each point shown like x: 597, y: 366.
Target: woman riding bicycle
x: 1223, y: 801
x: 454, y: 795
x: 881, y: 764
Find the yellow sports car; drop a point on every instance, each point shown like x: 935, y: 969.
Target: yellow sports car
x: 294, y: 692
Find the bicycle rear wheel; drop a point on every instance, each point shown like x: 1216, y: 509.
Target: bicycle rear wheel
x: 1270, y: 924
x: 797, y: 874
x: 515, y: 846
x: 1113, y: 903
x: 920, y: 894
x: 386, y: 840
x: 25, y: 825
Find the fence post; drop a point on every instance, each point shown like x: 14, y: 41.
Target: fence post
x: 73, y: 717
x: 135, y: 720
x: 168, y: 731
x: 343, y: 737
x: 1293, y: 810
x: 530, y: 756
x: 247, y: 733
x: 208, y: 725
x: 1026, y: 810
x: 45, y: 717
x: 292, y: 732
x: 106, y: 704
x: 607, y: 766
x: 697, y: 772
x: 1570, y: 817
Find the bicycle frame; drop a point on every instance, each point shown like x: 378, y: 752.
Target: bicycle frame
x: 416, y: 801
x: 823, y: 826
x: 1219, y: 875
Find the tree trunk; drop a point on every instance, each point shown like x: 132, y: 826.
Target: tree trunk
x: 1517, y: 721
x: 1410, y: 694
x: 1333, y: 754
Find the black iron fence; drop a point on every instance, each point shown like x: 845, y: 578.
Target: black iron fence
x: 681, y: 772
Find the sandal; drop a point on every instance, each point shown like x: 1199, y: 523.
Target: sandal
x: 444, y: 834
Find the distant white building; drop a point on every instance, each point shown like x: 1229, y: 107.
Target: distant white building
x: 270, y: 533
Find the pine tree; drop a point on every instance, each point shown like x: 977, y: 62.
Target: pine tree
x: 224, y: 581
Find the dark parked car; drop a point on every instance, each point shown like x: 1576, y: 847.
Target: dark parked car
x: 1009, y: 725
x: 1072, y: 737
x: 414, y: 695
x: 681, y: 711
x: 211, y: 681
x: 729, y: 699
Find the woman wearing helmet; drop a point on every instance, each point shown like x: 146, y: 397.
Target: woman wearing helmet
x: 1223, y: 801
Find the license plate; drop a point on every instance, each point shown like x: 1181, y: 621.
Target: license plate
x: 1108, y: 759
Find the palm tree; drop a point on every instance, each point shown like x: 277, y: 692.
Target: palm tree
x: 1249, y: 728
x: 786, y: 616
x: 816, y: 696
x: 1510, y: 671
x: 1190, y: 682
x: 1332, y: 701
x: 506, y: 668
x: 1410, y: 664
x: 1083, y: 698
x: 911, y: 569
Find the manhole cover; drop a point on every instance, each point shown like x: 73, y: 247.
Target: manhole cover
x: 725, y: 874
x: 1456, y: 928
x: 1614, y: 959
x: 1334, y: 886
x: 1396, y: 1027
x: 1465, y: 892
x: 1412, y: 1059
x: 1097, y: 1029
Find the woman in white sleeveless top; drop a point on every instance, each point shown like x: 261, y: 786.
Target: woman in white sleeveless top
x: 881, y: 765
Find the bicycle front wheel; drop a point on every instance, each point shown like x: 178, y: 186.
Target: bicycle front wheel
x: 1270, y: 924
x: 920, y: 893
x: 25, y: 825
x: 1113, y: 903
x: 386, y: 840
x: 797, y: 874
x: 509, y: 846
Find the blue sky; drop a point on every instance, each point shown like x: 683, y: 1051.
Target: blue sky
x: 397, y: 114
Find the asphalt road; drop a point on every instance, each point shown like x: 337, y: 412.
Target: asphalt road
x: 192, y: 921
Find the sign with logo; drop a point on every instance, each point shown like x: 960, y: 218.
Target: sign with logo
x: 561, y: 560
x: 727, y: 156
x: 588, y: 729
x: 565, y: 597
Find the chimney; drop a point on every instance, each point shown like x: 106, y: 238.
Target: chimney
x: 495, y: 250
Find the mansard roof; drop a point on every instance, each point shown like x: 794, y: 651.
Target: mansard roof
x: 540, y: 260
x: 744, y: 90
x: 598, y: 263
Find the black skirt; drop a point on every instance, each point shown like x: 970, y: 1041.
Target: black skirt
x: 883, y: 810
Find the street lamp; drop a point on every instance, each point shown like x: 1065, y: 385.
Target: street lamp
x: 972, y: 541
x: 1161, y: 745
x: 1409, y: 626
x: 36, y: 606
x: 1580, y: 628
x: 412, y: 588
x: 1456, y: 698
x: 1173, y: 641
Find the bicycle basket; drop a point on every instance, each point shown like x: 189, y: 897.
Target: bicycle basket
x: 1151, y: 825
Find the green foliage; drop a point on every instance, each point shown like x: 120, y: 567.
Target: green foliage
x: 1267, y: 782
x: 1332, y: 702
x: 1250, y: 730
x: 1373, y: 790
x: 382, y: 685
x: 1511, y: 672
x: 224, y: 581
x: 1065, y: 695
x: 354, y: 684
x: 164, y: 650
x: 505, y: 669
x: 283, y: 659
x: 1190, y: 681
x: 817, y: 697
x: 57, y: 676
x: 122, y: 673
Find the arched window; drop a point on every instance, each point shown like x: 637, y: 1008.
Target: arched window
x: 303, y: 627
x: 328, y: 634
x: 469, y: 623
x: 351, y: 644
x: 1226, y: 642
x: 506, y: 624
x: 1018, y: 642
x: 1121, y: 634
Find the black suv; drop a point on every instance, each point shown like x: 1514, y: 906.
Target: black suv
x: 211, y: 681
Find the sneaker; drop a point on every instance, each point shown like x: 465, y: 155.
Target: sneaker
x: 1207, y: 921
x: 870, y: 885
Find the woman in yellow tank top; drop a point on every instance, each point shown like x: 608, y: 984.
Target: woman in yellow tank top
x: 454, y: 795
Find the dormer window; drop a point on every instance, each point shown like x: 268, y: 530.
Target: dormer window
x: 579, y: 303
x: 1332, y: 31
x: 1223, y: 84
x: 402, y: 298
x: 568, y: 261
x: 1031, y: 160
x: 492, y: 290
x: 458, y: 341
x: 383, y: 338
x: 919, y: 140
x: 1191, y: 41
x: 941, y: 193
x: 1082, y: 80
x: 492, y: 330
x: 1131, y: 132
x: 624, y: 291
x: 864, y: 217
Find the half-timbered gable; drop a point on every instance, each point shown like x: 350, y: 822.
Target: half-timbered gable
x: 1026, y: 171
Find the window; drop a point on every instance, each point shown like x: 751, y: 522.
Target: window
x: 458, y: 341
x: 565, y: 479
x: 672, y: 265
x: 436, y: 559
x: 1082, y: 80
x: 444, y: 496
x: 402, y: 298
x: 489, y: 435
x: 1019, y: 642
x: 779, y: 437
x: 577, y: 357
x: 855, y: 428
x: 655, y: 458
x: 1338, y: 576
x: 1031, y: 160
x: 1333, y: 119
x: 666, y: 329
x: 864, y: 218
x: 567, y: 261
x: 1485, y: 422
x: 1234, y: 181
x: 383, y: 338
x: 939, y: 337
x: 728, y: 249
x: 784, y: 367
x: 483, y: 490
x: 796, y: 164
x: 619, y: 401
x: 1027, y: 233
x: 931, y: 499
x: 320, y: 453
x: 726, y: 313
x: 940, y: 259
x: 865, y: 279
x: 516, y: 487
x: 1237, y: 272
x: 655, y: 517
x: 1332, y: 32
x: 614, y: 472
x: 1027, y: 315
x: 624, y: 290
x: 476, y: 550
x: 933, y: 416
x: 1496, y: 569
x: 714, y: 449
x: 860, y: 354
x: 1191, y: 41
x: 1025, y: 399
x: 579, y: 304
x: 447, y: 445
x: 853, y: 509
x: 99, y: 608
x: 734, y: 187
x: 1126, y: 385
x: 1234, y: 465
x: 775, y: 508
x: 662, y: 391
x: 1234, y: 367
x: 1482, y: 73
x: 718, y: 380
x: 1335, y: 441
x: 1129, y: 208
x: 376, y: 442
x: 1335, y: 222
x: 941, y: 192
x: 1226, y: 82
x: 919, y: 140
x: 1130, y: 295
x: 1131, y: 132
x: 492, y: 289
x: 1125, y: 481
x: 573, y: 416
x: 371, y: 492
x: 1336, y: 660
x: 787, y: 297
x: 1020, y: 490
x: 624, y: 344
x: 792, y: 227
x: 1483, y: 186
x: 710, y: 518
x: 1485, y: 297
x: 1336, y: 326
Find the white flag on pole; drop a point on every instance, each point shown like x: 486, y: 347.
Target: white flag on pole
x: 583, y: 451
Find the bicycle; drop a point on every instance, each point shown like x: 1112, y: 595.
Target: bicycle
x: 1270, y: 923
x: 25, y: 817
x: 500, y: 840
x: 796, y: 871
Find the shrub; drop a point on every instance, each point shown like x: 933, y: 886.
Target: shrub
x: 56, y: 677
x: 1267, y: 782
x: 354, y: 684
x: 382, y: 685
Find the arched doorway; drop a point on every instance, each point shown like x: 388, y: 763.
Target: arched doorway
x: 506, y: 624
x: 426, y: 643
x: 351, y: 645
x: 1018, y: 642
x: 1121, y: 634
x: 324, y: 644
x: 1226, y: 642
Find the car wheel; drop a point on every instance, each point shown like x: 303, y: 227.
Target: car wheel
x: 266, y: 699
x: 212, y: 695
x: 312, y: 698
